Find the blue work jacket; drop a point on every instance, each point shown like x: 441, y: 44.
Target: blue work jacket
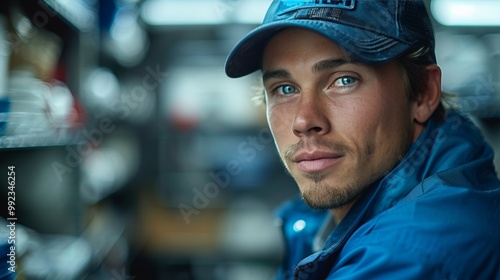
x: 436, y: 215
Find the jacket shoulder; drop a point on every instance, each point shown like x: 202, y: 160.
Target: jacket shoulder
x: 452, y: 231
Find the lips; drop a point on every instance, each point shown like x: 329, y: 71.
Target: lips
x: 317, y: 161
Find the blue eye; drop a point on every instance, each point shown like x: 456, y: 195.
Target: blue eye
x: 345, y: 81
x: 286, y: 89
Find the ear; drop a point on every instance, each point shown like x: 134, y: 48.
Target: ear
x: 428, y: 100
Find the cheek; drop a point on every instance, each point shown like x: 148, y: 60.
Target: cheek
x: 279, y: 122
x: 357, y: 117
x: 389, y: 133
x: 277, y: 119
x: 365, y: 124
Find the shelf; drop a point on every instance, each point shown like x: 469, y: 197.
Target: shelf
x: 38, y: 140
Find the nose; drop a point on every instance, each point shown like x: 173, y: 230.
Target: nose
x: 311, y: 116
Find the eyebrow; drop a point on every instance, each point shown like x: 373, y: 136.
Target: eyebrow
x: 275, y: 74
x: 327, y: 64
x: 318, y: 67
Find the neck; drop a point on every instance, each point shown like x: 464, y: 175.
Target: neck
x: 339, y: 213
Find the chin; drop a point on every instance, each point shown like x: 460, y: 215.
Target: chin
x: 322, y: 196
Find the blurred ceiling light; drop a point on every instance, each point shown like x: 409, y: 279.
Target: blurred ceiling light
x: 104, y: 86
x: 466, y: 12
x: 203, y: 12
x: 129, y: 42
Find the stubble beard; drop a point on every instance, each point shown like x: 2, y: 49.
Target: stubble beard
x: 322, y: 195
x: 319, y: 193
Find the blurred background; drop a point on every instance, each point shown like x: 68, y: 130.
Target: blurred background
x: 137, y: 158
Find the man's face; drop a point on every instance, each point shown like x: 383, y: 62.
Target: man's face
x: 338, y: 125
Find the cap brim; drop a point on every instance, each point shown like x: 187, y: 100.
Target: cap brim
x: 361, y: 45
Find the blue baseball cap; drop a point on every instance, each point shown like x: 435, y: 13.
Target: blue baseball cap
x: 370, y: 31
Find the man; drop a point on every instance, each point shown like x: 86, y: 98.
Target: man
x: 395, y: 186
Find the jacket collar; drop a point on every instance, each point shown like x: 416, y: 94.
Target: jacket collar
x: 434, y: 150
